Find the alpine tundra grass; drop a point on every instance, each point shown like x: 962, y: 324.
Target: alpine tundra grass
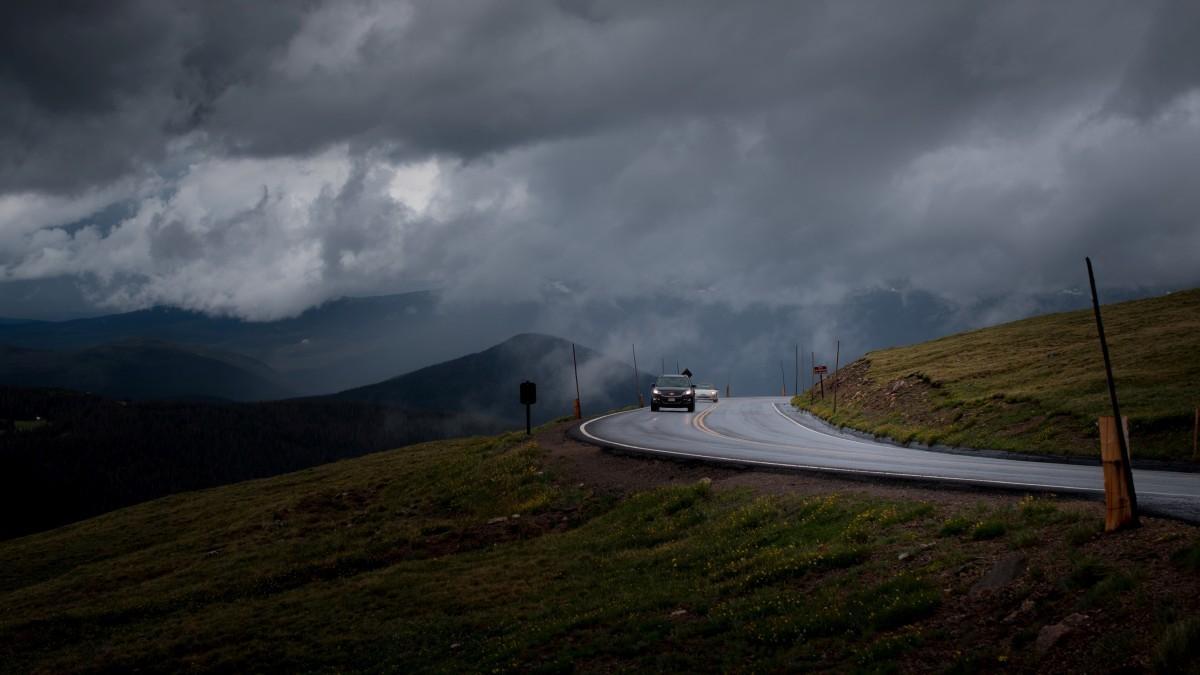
x: 472, y: 555
x: 1034, y: 386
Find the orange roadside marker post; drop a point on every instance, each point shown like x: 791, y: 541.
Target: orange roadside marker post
x: 1122, y: 496
x: 1118, y: 504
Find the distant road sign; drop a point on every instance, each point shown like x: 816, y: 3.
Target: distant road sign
x: 528, y: 398
x: 686, y: 373
x: 820, y: 370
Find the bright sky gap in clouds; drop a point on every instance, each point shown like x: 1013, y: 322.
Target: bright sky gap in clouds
x: 257, y: 160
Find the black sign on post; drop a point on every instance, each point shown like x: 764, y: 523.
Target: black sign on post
x: 528, y: 398
x: 686, y: 373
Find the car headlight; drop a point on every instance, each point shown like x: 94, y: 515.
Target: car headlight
x: 654, y: 391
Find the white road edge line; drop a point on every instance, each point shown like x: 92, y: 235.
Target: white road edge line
x: 785, y: 416
x: 862, y: 442
x: 830, y: 469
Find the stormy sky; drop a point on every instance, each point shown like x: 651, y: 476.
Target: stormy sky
x: 258, y: 159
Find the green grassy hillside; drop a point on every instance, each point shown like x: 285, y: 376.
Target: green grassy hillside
x: 1035, y: 385
x: 471, y: 556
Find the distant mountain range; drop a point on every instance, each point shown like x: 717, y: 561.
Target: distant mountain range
x: 353, y: 342
x: 487, y: 382
x: 341, y: 344
x: 484, y: 384
x: 143, y: 369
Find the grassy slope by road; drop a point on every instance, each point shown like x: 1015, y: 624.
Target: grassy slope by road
x: 1035, y: 385
x: 414, y: 559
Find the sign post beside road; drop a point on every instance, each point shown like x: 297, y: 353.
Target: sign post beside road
x: 528, y: 398
x: 820, y: 372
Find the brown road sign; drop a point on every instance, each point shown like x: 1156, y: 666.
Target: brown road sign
x: 820, y: 370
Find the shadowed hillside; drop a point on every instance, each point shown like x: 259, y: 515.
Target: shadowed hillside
x: 74, y: 455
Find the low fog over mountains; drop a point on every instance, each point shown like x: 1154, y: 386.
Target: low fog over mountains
x: 355, y: 342
x: 486, y: 382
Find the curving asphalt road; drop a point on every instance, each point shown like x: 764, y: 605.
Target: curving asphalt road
x: 766, y: 431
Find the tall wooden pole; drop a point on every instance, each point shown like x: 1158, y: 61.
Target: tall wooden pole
x: 637, y: 381
x: 836, y: 363
x: 796, y: 381
x: 782, y: 380
x: 575, y: 364
x: 1112, y: 395
x: 812, y: 380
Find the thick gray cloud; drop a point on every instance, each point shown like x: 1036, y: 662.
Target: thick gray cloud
x: 736, y: 157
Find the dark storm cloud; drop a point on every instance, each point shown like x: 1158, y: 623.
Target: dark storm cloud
x: 474, y: 78
x: 777, y: 154
x: 93, y: 90
x: 1166, y: 65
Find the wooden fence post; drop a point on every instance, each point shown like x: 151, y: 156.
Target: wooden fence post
x: 1118, y: 506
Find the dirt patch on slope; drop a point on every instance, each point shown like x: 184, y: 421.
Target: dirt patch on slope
x: 916, y: 408
x: 912, y: 400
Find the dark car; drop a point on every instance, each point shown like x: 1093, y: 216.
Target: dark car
x: 673, y: 391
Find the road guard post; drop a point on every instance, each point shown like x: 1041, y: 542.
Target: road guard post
x: 1119, y: 495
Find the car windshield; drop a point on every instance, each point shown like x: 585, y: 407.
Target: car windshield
x: 672, y: 381
x: 705, y: 386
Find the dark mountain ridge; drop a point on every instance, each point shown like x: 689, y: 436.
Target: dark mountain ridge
x: 341, y: 344
x: 488, y: 381
x: 142, y: 368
